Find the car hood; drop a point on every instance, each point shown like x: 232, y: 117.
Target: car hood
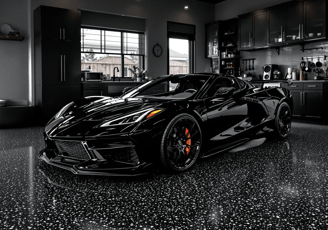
x: 86, y: 118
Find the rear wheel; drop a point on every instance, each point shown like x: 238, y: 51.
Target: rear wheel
x: 181, y: 143
x: 283, y: 120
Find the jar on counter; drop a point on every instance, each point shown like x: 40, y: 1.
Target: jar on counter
x: 294, y: 75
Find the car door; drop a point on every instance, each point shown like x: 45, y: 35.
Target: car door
x: 223, y: 113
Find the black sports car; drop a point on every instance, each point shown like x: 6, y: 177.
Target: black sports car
x: 193, y: 116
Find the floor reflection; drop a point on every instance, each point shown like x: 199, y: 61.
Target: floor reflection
x: 278, y: 184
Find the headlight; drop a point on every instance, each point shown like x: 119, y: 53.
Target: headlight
x: 134, y: 117
x: 63, y: 110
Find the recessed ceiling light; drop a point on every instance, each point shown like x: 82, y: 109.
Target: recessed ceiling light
x: 186, y: 7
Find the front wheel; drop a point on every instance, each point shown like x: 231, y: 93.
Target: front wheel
x: 181, y: 143
x: 283, y: 120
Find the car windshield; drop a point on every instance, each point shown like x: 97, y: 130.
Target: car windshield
x: 169, y: 87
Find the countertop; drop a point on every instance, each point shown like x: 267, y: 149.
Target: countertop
x: 106, y: 82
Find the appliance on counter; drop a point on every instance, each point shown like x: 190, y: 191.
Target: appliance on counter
x: 289, y: 73
x: 268, y: 71
x: 271, y: 85
x: 91, y: 76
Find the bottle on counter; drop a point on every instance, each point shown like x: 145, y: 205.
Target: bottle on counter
x: 302, y: 76
x: 294, y: 74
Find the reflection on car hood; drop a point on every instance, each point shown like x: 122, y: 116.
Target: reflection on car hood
x: 83, y: 119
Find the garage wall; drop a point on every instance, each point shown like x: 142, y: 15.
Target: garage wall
x: 15, y: 57
x: 232, y: 8
x: 14, y: 72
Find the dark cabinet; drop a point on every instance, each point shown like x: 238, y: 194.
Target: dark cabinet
x: 212, y: 39
x: 260, y: 38
x: 57, y: 24
x: 253, y: 30
x: 276, y: 26
x: 294, y: 21
x: 283, y: 24
x: 309, y: 100
x: 57, y: 59
x: 93, y: 89
x: 315, y: 19
x: 246, y: 32
x: 115, y: 89
x: 61, y: 63
x: 51, y: 98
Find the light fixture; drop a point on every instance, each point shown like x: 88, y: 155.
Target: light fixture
x: 186, y: 7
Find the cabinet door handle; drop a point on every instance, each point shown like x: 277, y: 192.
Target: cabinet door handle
x: 301, y: 98
x: 281, y: 34
x: 94, y: 86
x: 101, y: 93
x: 312, y: 86
x: 64, y: 33
x: 60, y: 33
x: 64, y: 68
x: 293, y: 86
x: 61, y: 67
x: 299, y: 31
x: 302, y: 31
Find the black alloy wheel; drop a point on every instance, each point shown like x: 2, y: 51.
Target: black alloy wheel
x: 283, y: 120
x: 181, y: 143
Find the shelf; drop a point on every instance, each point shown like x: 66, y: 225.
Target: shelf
x: 227, y: 34
x: 12, y: 38
x: 232, y: 46
x: 229, y: 58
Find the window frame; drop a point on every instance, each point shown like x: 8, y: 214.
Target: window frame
x: 186, y: 36
x: 122, y: 54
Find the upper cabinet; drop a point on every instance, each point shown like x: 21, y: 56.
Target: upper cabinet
x: 260, y: 29
x: 58, y: 24
x: 253, y: 30
x: 246, y: 32
x: 287, y: 23
x: 293, y: 21
x: 276, y: 26
x: 314, y: 19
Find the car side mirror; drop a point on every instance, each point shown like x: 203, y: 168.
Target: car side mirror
x: 224, y: 92
x: 217, y: 100
x: 239, y: 94
x: 126, y: 89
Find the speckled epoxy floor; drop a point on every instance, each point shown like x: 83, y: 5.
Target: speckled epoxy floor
x: 277, y: 185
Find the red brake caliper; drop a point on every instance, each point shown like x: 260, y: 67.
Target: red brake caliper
x: 188, y: 142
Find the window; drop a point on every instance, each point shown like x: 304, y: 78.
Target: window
x: 221, y: 87
x: 179, y: 56
x: 103, y: 50
x: 181, y: 43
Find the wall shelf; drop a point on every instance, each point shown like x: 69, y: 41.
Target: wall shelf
x: 12, y: 38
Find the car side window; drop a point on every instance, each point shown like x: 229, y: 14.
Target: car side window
x: 221, y: 87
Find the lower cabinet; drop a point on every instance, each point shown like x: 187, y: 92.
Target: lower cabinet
x: 310, y: 100
x: 51, y: 98
x: 115, y: 89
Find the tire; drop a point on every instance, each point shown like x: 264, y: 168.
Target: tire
x: 181, y: 143
x: 283, y: 121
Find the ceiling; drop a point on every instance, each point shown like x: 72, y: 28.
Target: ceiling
x: 212, y: 1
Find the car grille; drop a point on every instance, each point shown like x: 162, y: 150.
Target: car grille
x: 123, y: 152
x: 72, y: 149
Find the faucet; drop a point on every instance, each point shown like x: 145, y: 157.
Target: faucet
x: 114, y: 72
